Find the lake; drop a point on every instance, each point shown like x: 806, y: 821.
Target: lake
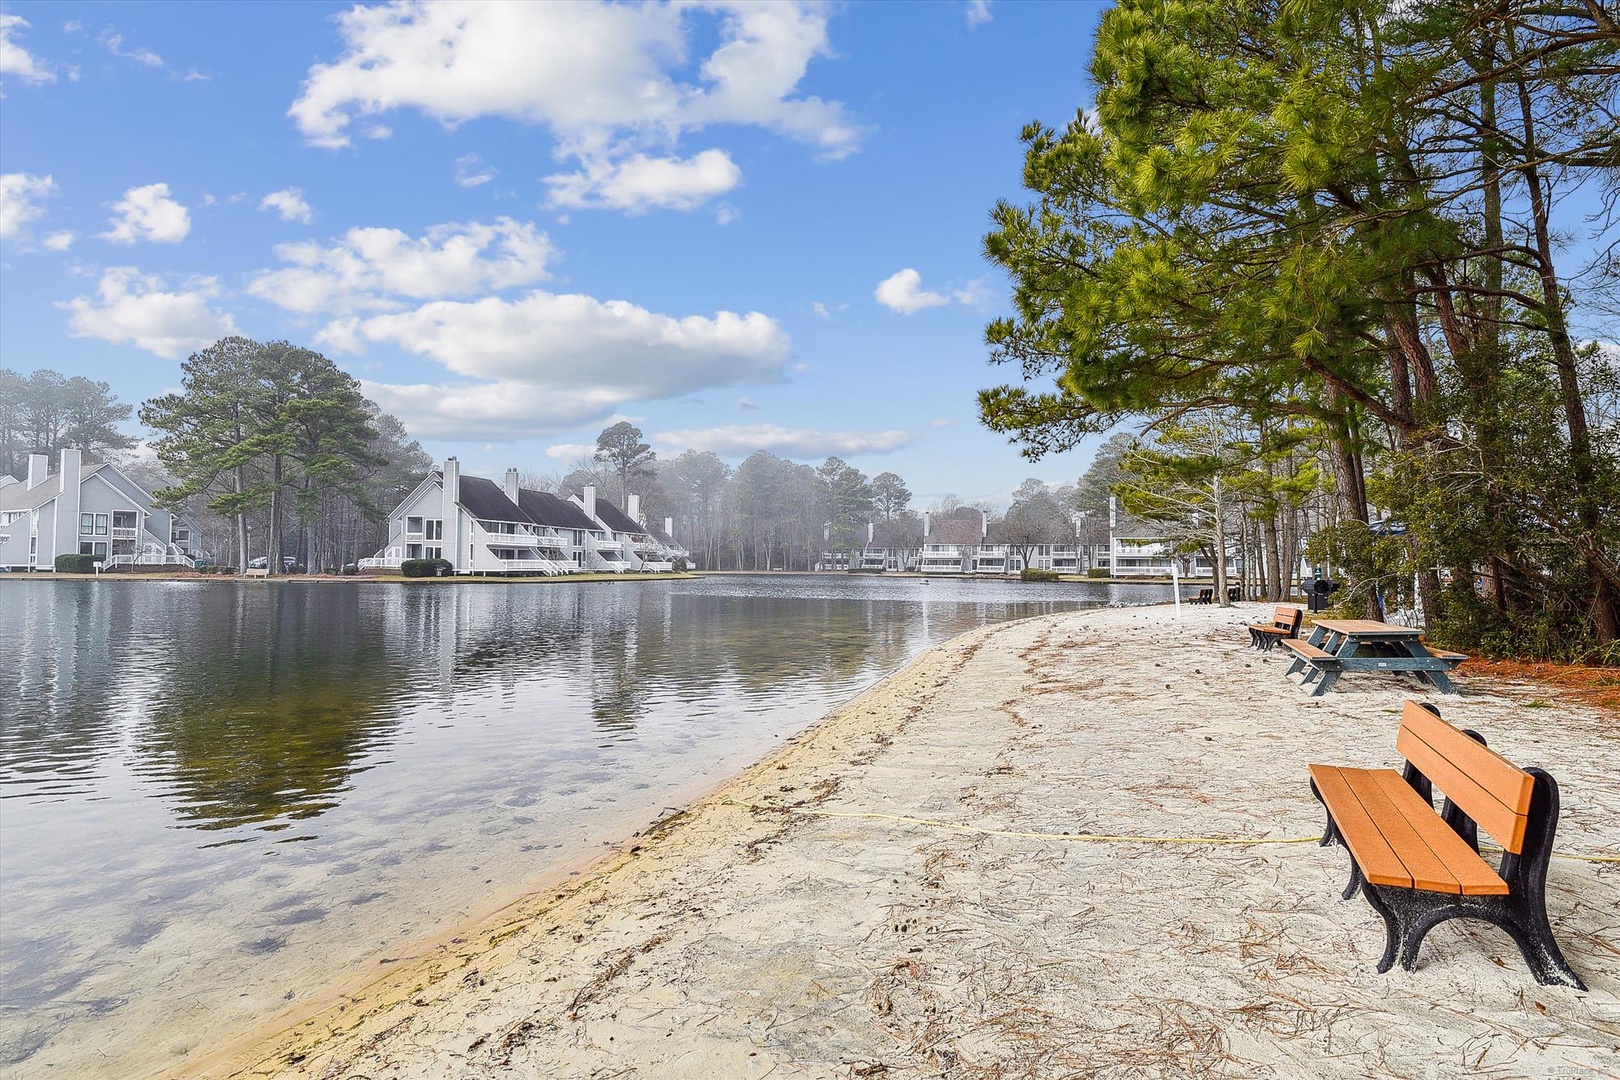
x: 218, y: 798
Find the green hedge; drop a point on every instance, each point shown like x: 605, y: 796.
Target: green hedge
x: 75, y: 563
x: 1035, y: 573
x: 1099, y: 571
x: 426, y: 568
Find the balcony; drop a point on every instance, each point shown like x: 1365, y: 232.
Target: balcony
x: 119, y: 532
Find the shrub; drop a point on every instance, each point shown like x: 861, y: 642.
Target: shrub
x: 679, y: 565
x: 350, y: 569
x: 426, y: 568
x: 1035, y: 573
x: 74, y: 563
x: 1099, y: 572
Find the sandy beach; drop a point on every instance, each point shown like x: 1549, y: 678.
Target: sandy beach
x: 801, y: 921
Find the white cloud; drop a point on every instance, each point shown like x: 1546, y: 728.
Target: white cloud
x: 381, y: 269
x: 114, y: 43
x: 639, y: 183
x: 147, y: 213
x: 16, y: 61
x: 134, y: 308
x: 616, y: 84
x: 569, y: 451
x: 941, y: 423
x: 471, y: 171
x: 17, y: 194
x: 548, y: 362
x: 59, y: 241
x: 978, y: 12
x: 289, y: 203
x: 747, y: 405
x: 740, y: 440
x: 903, y: 292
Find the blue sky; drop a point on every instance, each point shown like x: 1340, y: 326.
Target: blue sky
x: 739, y: 227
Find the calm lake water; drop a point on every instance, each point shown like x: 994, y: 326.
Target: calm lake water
x: 218, y: 798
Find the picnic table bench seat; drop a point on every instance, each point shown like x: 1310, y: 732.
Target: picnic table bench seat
x: 1284, y: 626
x: 1418, y: 869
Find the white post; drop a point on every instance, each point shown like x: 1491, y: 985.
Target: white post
x: 1175, y: 582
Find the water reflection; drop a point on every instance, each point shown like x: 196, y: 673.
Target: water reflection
x: 431, y: 748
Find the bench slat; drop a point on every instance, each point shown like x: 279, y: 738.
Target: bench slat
x: 1424, y: 869
x: 1489, y: 788
x: 1378, y: 861
x: 1306, y: 649
x: 1472, y: 874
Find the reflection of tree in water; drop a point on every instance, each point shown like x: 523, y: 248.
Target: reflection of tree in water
x: 270, y: 707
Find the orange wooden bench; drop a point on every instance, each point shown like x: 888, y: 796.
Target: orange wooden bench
x: 1418, y: 868
x: 1284, y: 624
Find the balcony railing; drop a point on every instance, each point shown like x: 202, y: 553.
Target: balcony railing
x: 385, y: 562
x: 120, y: 532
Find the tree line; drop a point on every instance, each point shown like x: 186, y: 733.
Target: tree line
x: 1344, y: 228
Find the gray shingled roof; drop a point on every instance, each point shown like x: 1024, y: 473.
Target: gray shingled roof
x: 617, y: 519
x: 544, y: 508
x: 485, y: 499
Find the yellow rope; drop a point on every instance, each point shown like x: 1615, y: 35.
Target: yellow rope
x: 1092, y: 837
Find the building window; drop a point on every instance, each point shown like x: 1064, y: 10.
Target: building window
x: 413, y: 525
x: 433, y: 553
x: 433, y: 530
x: 101, y: 524
x: 413, y: 551
x: 87, y: 525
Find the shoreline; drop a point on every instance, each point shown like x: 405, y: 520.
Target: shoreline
x: 354, y: 997
x: 671, y: 954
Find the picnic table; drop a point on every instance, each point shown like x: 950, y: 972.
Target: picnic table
x: 1339, y: 645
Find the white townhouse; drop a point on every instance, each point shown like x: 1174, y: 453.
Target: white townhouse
x: 481, y: 527
x: 885, y: 549
x: 1138, y: 548
x: 951, y: 544
x: 95, y: 511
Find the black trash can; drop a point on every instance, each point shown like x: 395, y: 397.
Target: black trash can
x: 1317, y: 591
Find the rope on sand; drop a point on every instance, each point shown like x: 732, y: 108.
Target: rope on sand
x: 1099, y: 838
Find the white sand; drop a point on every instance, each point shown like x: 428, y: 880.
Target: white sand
x: 739, y: 943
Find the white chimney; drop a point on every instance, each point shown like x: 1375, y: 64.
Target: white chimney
x: 39, y: 467
x: 870, y: 530
x: 452, y: 481
x: 512, y: 484
x: 632, y: 506
x: 927, y: 523
x: 984, y: 524
x: 669, y: 527
x: 588, y: 497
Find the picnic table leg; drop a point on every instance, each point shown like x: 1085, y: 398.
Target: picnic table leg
x: 1328, y: 679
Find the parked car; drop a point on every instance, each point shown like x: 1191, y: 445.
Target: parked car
x: 261, y: 563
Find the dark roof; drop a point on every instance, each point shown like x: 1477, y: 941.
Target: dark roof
x: 617, y: 519
x: 485, y: 499
x: 662, y: 537
x: 544, y: 508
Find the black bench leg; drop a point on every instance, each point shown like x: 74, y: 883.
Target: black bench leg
x: 1532, y: 933
x: 1393, y: 930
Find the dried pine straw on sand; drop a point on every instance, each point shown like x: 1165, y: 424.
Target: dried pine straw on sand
x: 751, y: 938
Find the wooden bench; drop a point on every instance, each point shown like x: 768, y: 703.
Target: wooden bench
x: 1316, y: 661
x: 251, y: 572
x: 1284, y: 625
x: 1205, y: 596
x: 1418, y: 869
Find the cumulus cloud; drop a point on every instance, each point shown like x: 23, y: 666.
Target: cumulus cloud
x: 740, y: 440
x: 148, y: 213
x: 17, y: 206
x: 370, y: 270
x: 17, y: 62
x: 59, y: 241
x: 136, y: 309
x: 471, y: 171
x: 289, y: 203
x: 570, y: 451
x: 978, y: 12
x: 639, y: 183
x: 903, y: 292
x: 614, y: 83
x: 547, y: 362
